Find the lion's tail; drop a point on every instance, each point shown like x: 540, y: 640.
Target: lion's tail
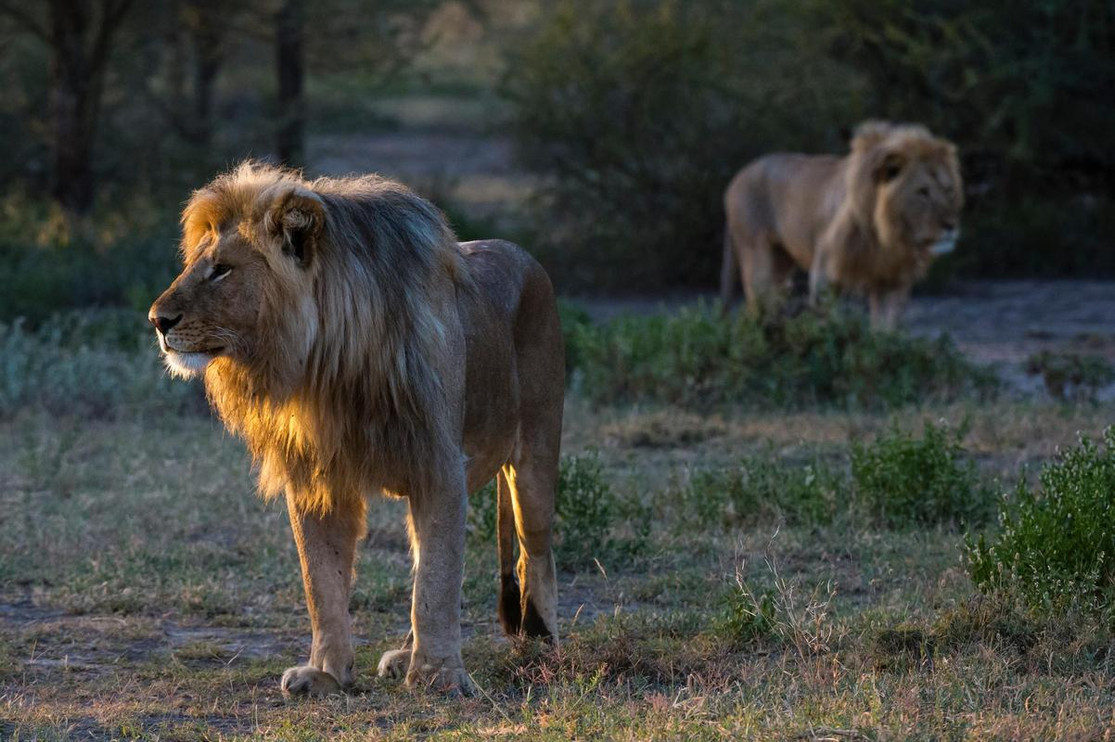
x: 510, y: 611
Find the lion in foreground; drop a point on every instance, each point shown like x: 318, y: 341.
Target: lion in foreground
x: 869, y: 222
x: 357, y: 348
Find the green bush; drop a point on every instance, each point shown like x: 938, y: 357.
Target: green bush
x: 37, y: 281
x: 1070, y: 376
x: 573, y: 317
x: 92, y: 364
x: 903, y: 481
x: 586, y: 508
x: 640, y: 112
x: 1056, y: 548
x: 696, y: 358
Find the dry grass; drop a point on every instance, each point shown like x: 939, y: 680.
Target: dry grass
x: 146, y: 593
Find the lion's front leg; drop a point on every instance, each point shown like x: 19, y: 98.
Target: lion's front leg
x: 326, y: 548
x: 438, y: 528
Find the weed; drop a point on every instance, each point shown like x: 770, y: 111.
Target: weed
x: 903, y: 481
x: 1070, y: 376
x: 1056, y: 548
x: 697, y: 358
x: 586, y: 507
x: 785, y: 612
x: 762, y: 490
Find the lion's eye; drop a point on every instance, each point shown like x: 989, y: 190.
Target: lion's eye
x: 219, y: 271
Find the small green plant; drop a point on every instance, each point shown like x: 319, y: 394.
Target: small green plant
x: 700, y: 359
x: 1056, y: 548
x: 1070, y: 376
x: 762, y: 489
x: 785, y: 613
x: 903, y: 481
x: 483, y: 510
x: 586, y: 507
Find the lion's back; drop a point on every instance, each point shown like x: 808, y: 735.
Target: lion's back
x: 785, y: 197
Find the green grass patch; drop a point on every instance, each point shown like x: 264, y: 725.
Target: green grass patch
x: 827, y: 357
x: 898, y: 481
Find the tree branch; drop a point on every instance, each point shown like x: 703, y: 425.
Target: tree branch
x: 25, y: 20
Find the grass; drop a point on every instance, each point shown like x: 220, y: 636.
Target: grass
x: 722, y: 576
x: 697, y: 359
x: 145, y: 566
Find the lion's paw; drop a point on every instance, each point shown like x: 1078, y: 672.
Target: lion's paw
x: 445, y: 675
x: 306, y: 680
x: 394, y: 664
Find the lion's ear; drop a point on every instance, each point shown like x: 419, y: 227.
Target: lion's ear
x: 890, y: 167
x: 297, y: 219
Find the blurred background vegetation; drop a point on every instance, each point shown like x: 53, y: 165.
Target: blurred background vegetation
x: 600, y: 134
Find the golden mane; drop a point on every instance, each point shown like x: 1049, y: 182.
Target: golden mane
x: 868, y: 251
x: 353, y: 347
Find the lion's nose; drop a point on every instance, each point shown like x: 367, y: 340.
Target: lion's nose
x: 164, y: 324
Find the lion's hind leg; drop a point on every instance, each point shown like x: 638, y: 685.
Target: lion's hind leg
x: 510, y: 608
x: 532, y: 485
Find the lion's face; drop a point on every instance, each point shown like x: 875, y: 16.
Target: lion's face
x: 240, y: 272
x: 919, y: 200
x: 212, y: 308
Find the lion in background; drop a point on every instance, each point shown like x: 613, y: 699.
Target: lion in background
x: 870, y: 222
x: 358, y: 348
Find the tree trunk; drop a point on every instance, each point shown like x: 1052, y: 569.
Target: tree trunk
x: 289, y: 64
x: 204, y: 21
x: 79, y: 56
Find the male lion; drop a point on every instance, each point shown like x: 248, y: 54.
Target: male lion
x: 357, y: 348
x: 870, y: 222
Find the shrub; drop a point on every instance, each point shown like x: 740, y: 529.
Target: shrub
x: 93, y: 364
x: 573, y: 317
x: 1056, y: 549
x: 697, y: 358
x: 586, y: 508
x: 125, y: 260
x: 483, y: 511
x: 1069, y: 376
x: 903, y: 481
x: 639, y: 112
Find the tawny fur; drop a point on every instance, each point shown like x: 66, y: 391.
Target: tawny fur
x: 357, y: 349
x: 867, y: 222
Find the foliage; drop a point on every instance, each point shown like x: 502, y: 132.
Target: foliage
x: 1056, y: 548
x: 573, y: 318
x: 588, y: 514
x: 639, y: 112
x: 697, y: 358
x: 120, y: 258
x: 93, y: 364
x: 1023, y: 88
x: 903, y: 481
x: 1070, y: 376
x: 763, y: 489
x: 586, y: 509
x: 897, y: 481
